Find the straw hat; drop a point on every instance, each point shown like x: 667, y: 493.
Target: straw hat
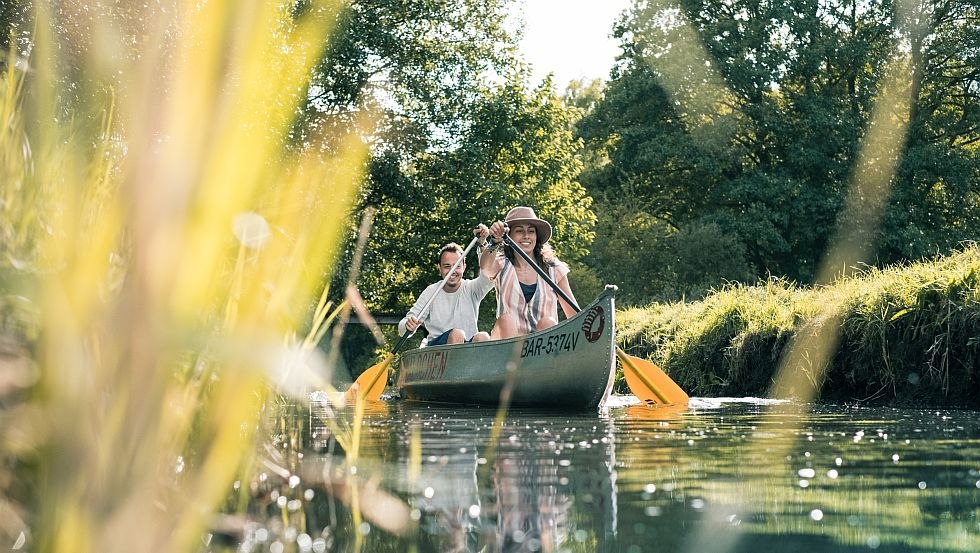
x: 525, y: 215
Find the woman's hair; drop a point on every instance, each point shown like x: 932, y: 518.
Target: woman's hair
x: 543, y: 254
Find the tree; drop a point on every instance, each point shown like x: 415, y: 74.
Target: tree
x: 936, y: 201
x: 417, y: 64
x: 747, y: 116
x: 517, y: 150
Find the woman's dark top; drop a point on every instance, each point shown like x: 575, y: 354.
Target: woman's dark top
x: 528, y: 290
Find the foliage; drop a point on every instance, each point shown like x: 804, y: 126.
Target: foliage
x: 10, y: 17
x: 517, y: 150
x: 663, y: 262
x: 908, y: 334
x: 418, y: 65
x: 748, y: 116
x: 155, y: 242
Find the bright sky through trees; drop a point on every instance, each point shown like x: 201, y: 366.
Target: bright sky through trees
x: 570, y: 38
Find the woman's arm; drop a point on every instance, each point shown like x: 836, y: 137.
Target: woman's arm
x: 562, y: 283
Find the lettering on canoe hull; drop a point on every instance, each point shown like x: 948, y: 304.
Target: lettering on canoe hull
x: 549, y: 345
x: 424, y: 366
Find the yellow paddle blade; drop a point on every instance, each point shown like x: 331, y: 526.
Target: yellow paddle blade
x: 372, y: 382
x: 649, y: 382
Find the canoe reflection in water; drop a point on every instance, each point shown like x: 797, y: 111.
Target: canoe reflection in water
x: 526, y: 496
x: 533, y: 510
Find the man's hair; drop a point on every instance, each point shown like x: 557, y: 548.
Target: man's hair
x: 450, y: 247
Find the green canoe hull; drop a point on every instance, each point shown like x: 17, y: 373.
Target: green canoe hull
x: 570, y: 366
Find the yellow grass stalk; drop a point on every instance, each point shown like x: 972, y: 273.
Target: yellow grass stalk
x: 178, y: 243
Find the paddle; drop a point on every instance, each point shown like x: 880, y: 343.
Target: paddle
x: 370, y: 384
x: 646, y: 380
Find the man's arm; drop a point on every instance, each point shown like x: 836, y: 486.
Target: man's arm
x: 411, y: 321
x: 489, y: 265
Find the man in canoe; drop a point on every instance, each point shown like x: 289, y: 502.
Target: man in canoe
x: 451, y: 319
x: 525, y: 302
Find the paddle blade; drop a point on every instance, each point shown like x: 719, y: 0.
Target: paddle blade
x: 372, y: 382
x: 648, y: 382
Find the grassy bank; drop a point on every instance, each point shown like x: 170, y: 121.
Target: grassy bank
x: 908, y: 335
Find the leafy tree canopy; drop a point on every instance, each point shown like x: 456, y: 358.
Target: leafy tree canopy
x: 518, y: 150
x: 746, y: 116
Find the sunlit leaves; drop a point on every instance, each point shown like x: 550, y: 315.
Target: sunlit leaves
x: 773, y: 158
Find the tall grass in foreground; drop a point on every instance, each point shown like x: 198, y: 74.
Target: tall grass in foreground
x: 158, y: 258
x: 908, y: 334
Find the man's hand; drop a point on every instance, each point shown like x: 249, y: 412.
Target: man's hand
x: 482, y: 231
x: 412, y: 324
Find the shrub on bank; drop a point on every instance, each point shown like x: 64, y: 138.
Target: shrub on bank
x: 908, y: 334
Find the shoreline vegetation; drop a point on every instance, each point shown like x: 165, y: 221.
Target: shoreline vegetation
x: 909, y: 335
x: 179, y: 184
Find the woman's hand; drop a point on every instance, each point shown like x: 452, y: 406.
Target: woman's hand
x: 497, y: 231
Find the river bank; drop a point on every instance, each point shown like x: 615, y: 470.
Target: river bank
x: 907, y: 335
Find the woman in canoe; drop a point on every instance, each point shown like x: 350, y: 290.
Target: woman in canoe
x: 525, y: 302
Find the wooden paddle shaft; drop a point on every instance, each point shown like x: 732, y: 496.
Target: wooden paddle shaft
x: 622, y: 355
x: 369, y: 378
x: 428, y: 303
x: 541, y: 273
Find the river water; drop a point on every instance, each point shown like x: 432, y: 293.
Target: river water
x: 723, y: 475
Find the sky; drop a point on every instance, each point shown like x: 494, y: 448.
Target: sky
x: 570, y: 38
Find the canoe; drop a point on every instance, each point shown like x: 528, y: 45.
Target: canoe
x: 570, y: 366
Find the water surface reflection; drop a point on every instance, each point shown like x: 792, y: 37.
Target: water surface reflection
x: 724, y: 475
